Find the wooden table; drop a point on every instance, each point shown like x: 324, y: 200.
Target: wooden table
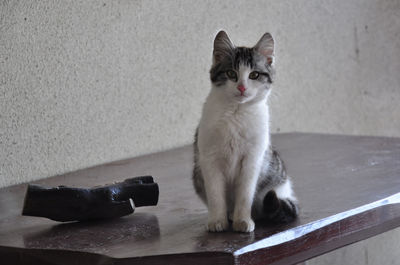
x: 348, y: 187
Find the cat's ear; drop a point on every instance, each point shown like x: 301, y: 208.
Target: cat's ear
x: 265, y: 46
x: 222, y: 46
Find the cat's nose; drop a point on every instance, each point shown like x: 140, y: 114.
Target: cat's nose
x: 241, y: 88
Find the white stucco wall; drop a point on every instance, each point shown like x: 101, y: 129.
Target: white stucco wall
x: 82, y: 83
x: 88, y: 82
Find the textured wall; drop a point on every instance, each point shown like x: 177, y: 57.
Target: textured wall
x: 82, y: 83
x: 87, y: 82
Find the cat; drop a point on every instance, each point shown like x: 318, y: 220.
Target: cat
x: 237, y: 173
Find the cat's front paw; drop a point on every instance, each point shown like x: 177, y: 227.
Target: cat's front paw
x: 242, y: 225
x: 217, y: 225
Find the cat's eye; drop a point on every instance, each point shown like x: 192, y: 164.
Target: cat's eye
x: 254, y: 75
x: 231, y: 74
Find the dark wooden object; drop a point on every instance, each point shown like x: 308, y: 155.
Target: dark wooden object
x: 66, y: 204
x: 348, y: 187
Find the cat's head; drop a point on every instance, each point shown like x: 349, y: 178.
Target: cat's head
x: 242, y: 74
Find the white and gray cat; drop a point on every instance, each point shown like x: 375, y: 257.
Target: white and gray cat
x: 237, y: 173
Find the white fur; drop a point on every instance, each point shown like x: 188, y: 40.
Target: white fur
x: 232, y: 139
x: 285, y: 191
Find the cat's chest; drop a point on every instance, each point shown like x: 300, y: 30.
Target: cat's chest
x: 234, y: 133
x: 238, y: 128
x: 241, y: 132
x: 226, y: 138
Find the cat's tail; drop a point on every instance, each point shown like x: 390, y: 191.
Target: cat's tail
x: 280, y: 204
x: 279, y: 210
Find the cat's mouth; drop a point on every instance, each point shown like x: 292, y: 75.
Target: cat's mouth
x: 241, y: 96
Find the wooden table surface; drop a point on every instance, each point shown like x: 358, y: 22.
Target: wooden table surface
x: 348, y: 188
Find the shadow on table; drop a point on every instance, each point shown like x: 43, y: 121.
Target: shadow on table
x: 96, y: 235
